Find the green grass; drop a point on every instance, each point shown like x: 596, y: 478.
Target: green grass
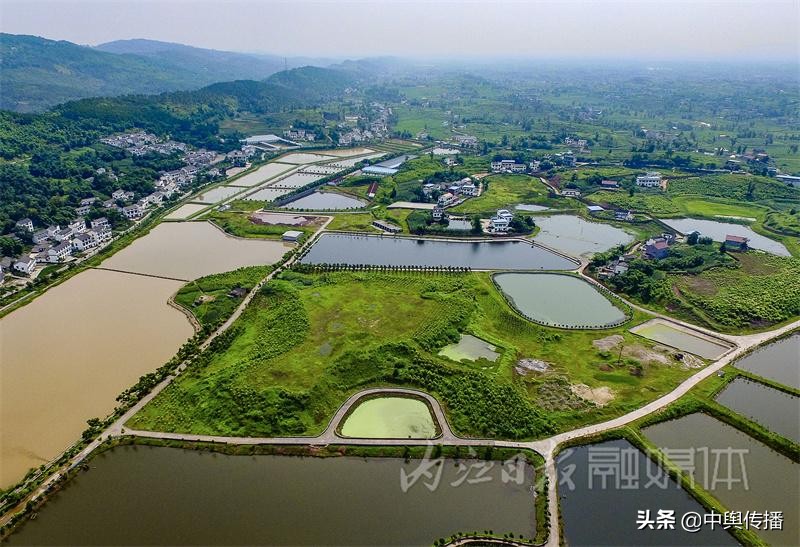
x: 240, y: 225
x: 506, y: 191
x: 308, y: 341
x: 207, y: 297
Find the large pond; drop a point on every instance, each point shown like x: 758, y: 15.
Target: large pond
x: 470, y: 348
x: 325, y: 201
x: 295, y: 180
x: 390, y: 417
x: 302, y: 157
x: 560, y: 300
x: 217, y: 194
x: 683, y: 339
x: 600, y: 500
x: 185, y: 211
x: 69, y: 353
x: 742, y: 473
x: 779, y: 361
x: 575, y: 236
x: 267, y: 194
x: 717, y: 231
x: 396, y: 251
x: 188, y: 250
x: 263, y: 173
x: 776, y: 410
x: 167, y: 496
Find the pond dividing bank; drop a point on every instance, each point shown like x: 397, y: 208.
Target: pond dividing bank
x: 431, y: 253
x: 208, y: 498
x: 776, y: 410
x: 742, y: 473
x: 559, y: 300
x: 599, y: 505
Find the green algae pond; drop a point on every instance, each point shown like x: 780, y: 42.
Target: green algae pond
x: 681, y: 338
x: 390, y: 417
x: 559, y: 300
x: 139, y: 495
x: 470, y: 348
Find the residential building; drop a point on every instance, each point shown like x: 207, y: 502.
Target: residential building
x: 609, y: 184
x: 568, y: 159
x: 84, y: 242
x: 40, y: 236
x: 469, y: 189
x: 735, y: 243
x: 102, y: 234
x: 446, y: 199
x: 60, y: 252
x: 132, y: 211
x: 657, y: 248
x: 25, y: 264
x: 83, y: 210
x: 24, y: 224
x: 78, y: 225
x: 508, y: 166
x: 437, y: 213
x: 110, y: 204
x: 100, y: 223
x: 88, y: 201
x: 569, y: 193
x: 623, y: 215
x: 52, y: 229
x: 119, y: 194
x: 63, y: 234
x: 650, y: 180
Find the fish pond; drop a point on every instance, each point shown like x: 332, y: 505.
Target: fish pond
x: 390, y: 417
x: 559, y: 300
x: 420, y: 252
x: 325, y: 201
x: 470, y: 348
x: 267, y: 194
x: 742, y: 473
x: 263, y: 173
x: 682, y: 338
x: 217, y: 194
x: 717, y: 231
x: 776, y: 410
x: 185, y: 211
x: 167, y: 496
x: 578, y: 237
x: 600, y: 507
x: 779, y: 361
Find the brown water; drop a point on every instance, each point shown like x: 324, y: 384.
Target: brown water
x: 188, y: 250
x: 762, y: 480
x: 67, y: 355
x: 167, y: 496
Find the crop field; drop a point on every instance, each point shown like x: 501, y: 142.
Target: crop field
x: 307, y: 341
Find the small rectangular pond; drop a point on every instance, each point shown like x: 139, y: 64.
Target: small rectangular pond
x: 603, y: 486
x: 168, y: 496
x: 267, y: 194
x: 717, y: 231
x: 778, y: 361
x: 419, y: 252
x: 217, y: 194
x: 776, y: 410
x: 325, y: 201
x: 742, y: 473
x: 682, y: 338
x: 263, y: 173
x: 295, y: 180
x: 185, y: 211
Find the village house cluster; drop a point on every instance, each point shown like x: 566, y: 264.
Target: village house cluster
x: 374, y: 129
x: 299, y: 135
x: 140, y: 143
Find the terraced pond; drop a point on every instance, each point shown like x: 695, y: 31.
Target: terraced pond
x: 601, y: 509
x: 742, y: 473
x: 774, y: 409
x: 325, y: 201
x: 419, y: 252
x: 559, y: 300
x: 575, y: 236
x: 683, y: 339
x: 779, y: 361
x: 390, y: 417
x: 717, y: 231
x: 213, y: 499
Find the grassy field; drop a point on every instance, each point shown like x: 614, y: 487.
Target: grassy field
x: 207, y: 297
x: 362, y: 222
x: 239, y: 224
x: 506, y: 191
x: 308, y: 341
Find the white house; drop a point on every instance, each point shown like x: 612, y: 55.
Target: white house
x: 78, y: 225
x: 99, y: 223
x: 40, y: 236
x: 446, y: 199
x: 508, y: 166
x: 25, y: 224
x: 132, y: 211
x: 118, y: 194
x: 501, y: 222
x: 52, y: 229
x: 63, y: 234
x: 82, y: 210
x: 88, y: 201
x: 25, y: 265
x: 651, y: 180
x: 60, y: 252
x: 469, y: 189
x: 84, y: 241
x: 437, y: 213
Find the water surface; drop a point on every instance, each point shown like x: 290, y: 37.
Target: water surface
x: 717, y: 231
x: 263, y: 173
x: 396, y: 251
x: 188, y: 250
x: 167, y: 496
x: 561, y: 300
x: 774, y: 409
x: 217, y: 194
x: 599, y: 501
x: 760, y: 478
x: 779, y: 361
x: 295, y: 180
x: 185, y: 211
x: 69, y: 353
x: 665, y: 333
x: 267, y: 194
x: 390, y: 417
x: 573, y: 235
x: 470, y: 348
x: 325, y: 201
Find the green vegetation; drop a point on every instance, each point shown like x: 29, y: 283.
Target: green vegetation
x: 210, y: 299
x: 506, y: 191
x: 240, y: 225
x: 308, y: 341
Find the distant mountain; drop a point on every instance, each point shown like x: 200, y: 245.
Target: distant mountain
x: 36, y: 73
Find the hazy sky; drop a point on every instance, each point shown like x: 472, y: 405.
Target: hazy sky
x: 695, y: 29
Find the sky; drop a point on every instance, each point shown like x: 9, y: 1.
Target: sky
x: 581, y: 29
